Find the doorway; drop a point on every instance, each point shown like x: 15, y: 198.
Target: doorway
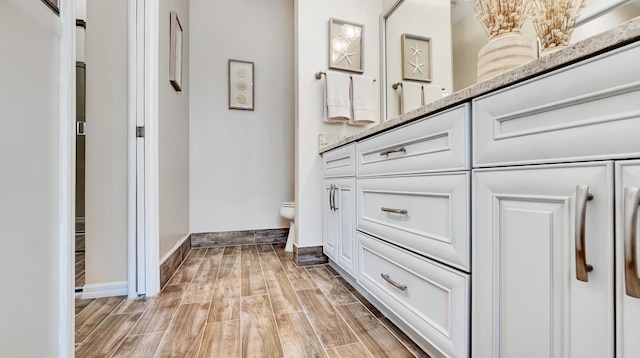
x: 81, y: 126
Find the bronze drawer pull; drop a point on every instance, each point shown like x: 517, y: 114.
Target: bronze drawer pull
x: 392, y: 282
x: 582, y: 196
x: 395, y: 211
x: 394, y: 150
x: 631, y: 202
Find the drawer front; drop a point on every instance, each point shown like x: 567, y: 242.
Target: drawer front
x: 431, y: 298
x: 339, y: 162
x: 436, y: 143
x: 590, y: 110
x: 427, y: 214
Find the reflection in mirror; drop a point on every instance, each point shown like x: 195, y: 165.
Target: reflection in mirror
x: 417, y: 41
x: 455, y: 37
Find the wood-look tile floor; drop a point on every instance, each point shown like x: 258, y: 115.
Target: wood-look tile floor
x: 80, y: 262
x: 241, y: 301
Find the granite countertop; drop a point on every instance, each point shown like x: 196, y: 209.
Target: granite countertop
x: 622, y: 34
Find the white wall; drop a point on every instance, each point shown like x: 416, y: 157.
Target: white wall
x: 241, y: 162
x: 606, y: 21
x: 426, y: 18
x: 173, y: 133
x: 29, y: 179
x: 106, y: 148
x: 312, y: 36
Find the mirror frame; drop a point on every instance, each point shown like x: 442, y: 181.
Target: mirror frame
x: 383, y: 58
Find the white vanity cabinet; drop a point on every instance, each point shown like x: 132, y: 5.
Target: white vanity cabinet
x: 555, y: 213
x: 413, y: 205
x: 339, y: 207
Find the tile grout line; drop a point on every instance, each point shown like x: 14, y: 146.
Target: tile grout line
x: 175, y: 314
x: 340, y: 315
x: 273, y: 312
x: 99, y: 325
x: 215, y: 282
x: 378, y: 319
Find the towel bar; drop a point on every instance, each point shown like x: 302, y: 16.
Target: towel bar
x: 319, y: 75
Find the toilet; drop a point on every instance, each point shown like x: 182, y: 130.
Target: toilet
x: 288, y: 211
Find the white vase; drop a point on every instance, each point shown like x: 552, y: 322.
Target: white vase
x: 503, y: 53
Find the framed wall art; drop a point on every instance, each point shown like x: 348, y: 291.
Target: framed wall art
x: 241, y: 89
x: 416, y: 58
x: 175, y: 56
x: 346, y: 46
x: 54, y: 5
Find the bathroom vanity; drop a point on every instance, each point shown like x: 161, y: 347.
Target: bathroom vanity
x: 501, y: 221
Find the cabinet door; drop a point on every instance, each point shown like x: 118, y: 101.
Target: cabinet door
x: 527, y: 300
x: 330, y: 229
x: 628, y: 302
x: 345, y: 196
x: 338, y: 222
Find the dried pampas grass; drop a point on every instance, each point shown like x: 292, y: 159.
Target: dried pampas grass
x: 554, y: 21
x: 501, y: 16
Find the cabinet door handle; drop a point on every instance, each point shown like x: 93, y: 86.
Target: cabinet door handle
x: 395, y: 211
x: 331, y: 197
x: 399, y: 286
x: 631, y: 202
x: 393, y: 150
x: 582, y: 196
x: 335, y: 190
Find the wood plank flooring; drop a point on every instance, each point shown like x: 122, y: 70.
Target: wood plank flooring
x: 249, y: 301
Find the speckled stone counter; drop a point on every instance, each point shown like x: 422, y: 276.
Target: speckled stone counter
x: 621, y: 35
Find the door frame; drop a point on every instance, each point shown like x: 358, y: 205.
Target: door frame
x: 143, y: 256
x: 143, y: 101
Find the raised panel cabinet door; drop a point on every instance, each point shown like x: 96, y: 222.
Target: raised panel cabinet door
x: 346, y: 221
x: 627, y: 284
x: 535, y: 234
x: 330, y: 227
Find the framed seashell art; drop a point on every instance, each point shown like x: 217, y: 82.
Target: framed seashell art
x: 346, y: 46
x: 241, y: 89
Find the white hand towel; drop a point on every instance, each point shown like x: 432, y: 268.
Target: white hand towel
x: 364, y: 103
x: 337, y: 100
x: 411, y: 96
x: 432, y: 93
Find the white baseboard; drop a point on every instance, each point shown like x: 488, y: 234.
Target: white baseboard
x: 105, y: 289
x: 174, y: 248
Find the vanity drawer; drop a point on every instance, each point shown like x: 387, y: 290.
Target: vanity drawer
x: 563, y: 116
x: 436, y: 143
x: 339, y: 162
x: 427, y: 214
x: 430, y: 298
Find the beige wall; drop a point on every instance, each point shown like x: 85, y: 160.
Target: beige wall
x: 311, y: 26
x: 173, y: 134
x: 241, y: 166
x: 106, y: 150
x: 29, y: 180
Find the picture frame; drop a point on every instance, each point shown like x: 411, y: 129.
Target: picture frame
x: 416, y: 58
x: 346, y: 46
x: 175, y: 54
x: 241, y: 86
x: 53, y: 5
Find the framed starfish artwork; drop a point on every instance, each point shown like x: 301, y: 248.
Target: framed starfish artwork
x: 346, y: 46
x: 416, y: 58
